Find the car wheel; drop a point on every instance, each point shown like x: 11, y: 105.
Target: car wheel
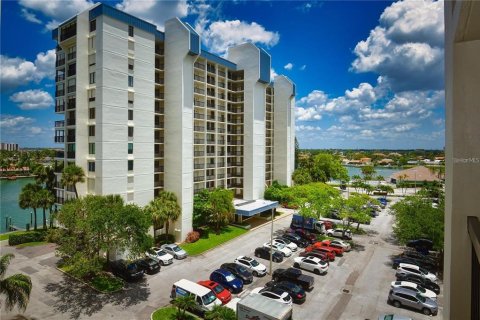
x: 255, y: 273
x: 257, y: 255
x: 426, y: 311
x: 316, y: 271
x: 284, y: 254
x: 397, y: 304
x: 296, y: 265
x: 275, y: 279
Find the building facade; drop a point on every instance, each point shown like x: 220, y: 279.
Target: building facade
x: 146, y: 110
x: 9, y: 146
x: 462, y: 160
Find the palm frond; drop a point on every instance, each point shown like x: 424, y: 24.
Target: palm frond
x: 4, y: 262
x: 17, y: 289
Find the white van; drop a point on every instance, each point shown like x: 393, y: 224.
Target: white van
x: 204, y: 297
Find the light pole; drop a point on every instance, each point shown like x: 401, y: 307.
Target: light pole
x: 271, y: 244
x: 415, y: 182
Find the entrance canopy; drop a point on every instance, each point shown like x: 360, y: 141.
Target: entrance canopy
x: 249, y: 208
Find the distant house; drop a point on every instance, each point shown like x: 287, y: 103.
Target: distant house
x: 386, y: 161
x: 354, y: 162
x: 394, y: 155
x: 417, y: 174
x: 366, y: 160
x: 412, y: 162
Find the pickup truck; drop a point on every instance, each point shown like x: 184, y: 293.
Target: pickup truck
x: 338, y: 251
x: 295, y: 276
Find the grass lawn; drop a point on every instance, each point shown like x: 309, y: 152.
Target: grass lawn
x: 167, y: 313
x: 5, y: 236
x: 31, y: 244
x: 213, y: 240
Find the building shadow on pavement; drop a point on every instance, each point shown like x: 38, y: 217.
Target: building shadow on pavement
x: 74, y: 299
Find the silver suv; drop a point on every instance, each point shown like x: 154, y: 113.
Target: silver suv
x: 404, y: 297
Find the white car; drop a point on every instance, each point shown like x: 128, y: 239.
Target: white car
x: 253, y: 265
x: 274, y: 294
x: 414, y: 287
x: 290, y: 245
x: 311, y: 264
x: 160, y: 255
x: 338, y: 233
x: 406, y: 268
x: 279, y: 248
x: 340, y: 243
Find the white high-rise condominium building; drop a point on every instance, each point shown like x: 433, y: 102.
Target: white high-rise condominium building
x: 146, y: 110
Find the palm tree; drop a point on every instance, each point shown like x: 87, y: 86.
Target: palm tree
x: 72, y: 174
x: 29, y: 198
x: 183, y: 303
x: 220, y: 202
x: 163, y: 209
x: 220, y: 313
x: 16, y: 288
x: 45, y: 200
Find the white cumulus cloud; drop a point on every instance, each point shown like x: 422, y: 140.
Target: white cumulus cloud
x: 18, y: 71
x: 56, y: 10
x: 29, y: 16
x: 288, y: 66
x: 406, y: 48
x: 220, y: 35
x: 156, y: 12
x: 32, y: 99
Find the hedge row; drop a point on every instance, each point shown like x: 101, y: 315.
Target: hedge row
x: 33, y: 236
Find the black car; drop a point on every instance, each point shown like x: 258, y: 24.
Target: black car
x: 239, y: 272
x: 295, y: 276
x: 295, y: 291
x: 421, y: 244
x: 426, y: 283
x: 129, y: 271
x: 264, y: 253
x: 148, y: 265
x: 430, y: 266
x: 296, y: 239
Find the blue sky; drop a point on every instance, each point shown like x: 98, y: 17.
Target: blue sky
x: 368, y: 74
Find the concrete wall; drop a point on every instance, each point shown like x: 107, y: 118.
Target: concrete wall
x: 284, y: 130
x: 462, y: 93
x: 179, y: 122
x: 112, y: 111
x: 247, y: 57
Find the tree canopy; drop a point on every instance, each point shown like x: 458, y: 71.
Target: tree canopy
x: 164, y: 209
x: 16, y: 288
x: 322, y: 167
x: 72, y: 174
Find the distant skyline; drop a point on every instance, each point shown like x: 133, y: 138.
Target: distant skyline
x: 369, y: 75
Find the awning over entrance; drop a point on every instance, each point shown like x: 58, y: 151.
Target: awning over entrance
x: 249, y: 208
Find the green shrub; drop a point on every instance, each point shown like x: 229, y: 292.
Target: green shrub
x: 54, y: 235
x: 164, y: 239
x: 34, y: 236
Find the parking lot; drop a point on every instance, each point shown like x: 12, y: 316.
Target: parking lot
x: 355, y: 287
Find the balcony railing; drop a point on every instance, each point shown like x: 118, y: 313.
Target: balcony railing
x: 159, y: 169
x: 71, y: 122
x: 71, y: 89
x: 159, y: 95
x: 71, y: 138
x: 59, y: 93
x: 198, y: 166
x: 199, y: 128
x: 221, y: 73
x: 211, y: 165
x: 158, y: 183
x: 199, y: 116
x: 212, y: 177
x: 70, y: 154
x: 199, y: 153
x: 198, y: 178
x: 159, y: 80
x: 160, y: 66
x: 59, y: 124
x: 221, y: 165
x: 199, y: 91
x: 199, y: 78
x: 159, y: 140
x: 199, y: 65
x: 68, y: 32
x: 71, y: 104
x: 199, y: 103
x: 60, y: 62
x: 198, y: 141
x: 160, y: 125
x: 159, y: 154
x: 473, y: 226
x: 59, y: 139
x: 60, y: 108
x: 59, y: 154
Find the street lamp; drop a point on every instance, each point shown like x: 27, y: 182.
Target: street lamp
x: 271, y: 243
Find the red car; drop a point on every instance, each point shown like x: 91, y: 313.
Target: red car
x: 220, y: 292
x: 304, y: 234
x: 326, y: 244
x: 330, y: 253
x: 317, y: 254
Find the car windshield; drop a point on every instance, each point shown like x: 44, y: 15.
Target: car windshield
x: 208, y: 298
x: 293, y: 287
x: 230, y: 277
x: 421, y: 289
x: 176, y: 248
x: 218, y: 288
x: 132, y: 267
x: 419, y: 297
x: 286, y: 298
x: 161, y: 253
x: 254, y: 263
x: 280, y: 246
x: 423, y: 271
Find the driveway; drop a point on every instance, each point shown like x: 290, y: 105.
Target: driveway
x: 355, y: 287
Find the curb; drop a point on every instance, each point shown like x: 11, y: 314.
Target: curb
x: 224, y: 243
x: 87, y: 284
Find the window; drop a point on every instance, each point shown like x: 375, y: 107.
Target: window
x: 130, y: 64
x: 91, y: 60
x: 71, y: 86
x: 71, y: 53
x: 93, y: 25
x: 91, y: 131
x: 91, y: 43
x: 130, y: 165
x: 130, y: 81
x: 130, y: 148
x: 130, y: 114
x: 92, y: 77
x: 130, y: 131
x: 91, y: 148
x: 91, y: 113
x: 91, y: 166
x: 130, y: 31
x: 91, y: 95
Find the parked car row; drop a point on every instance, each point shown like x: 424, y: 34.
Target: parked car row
x: 415, y: 288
